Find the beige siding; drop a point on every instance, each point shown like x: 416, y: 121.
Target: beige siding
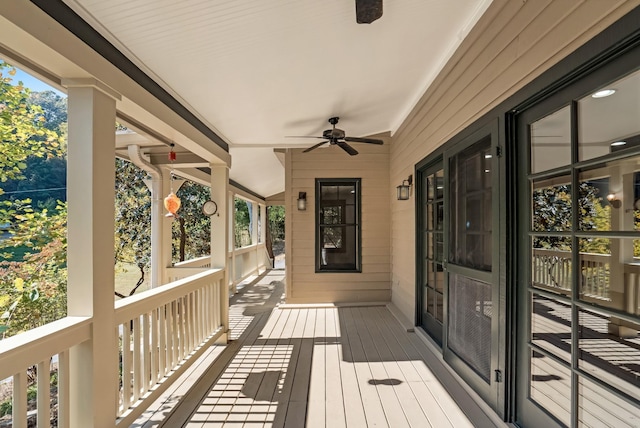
x: 372, y: 166
x: 513, y: 43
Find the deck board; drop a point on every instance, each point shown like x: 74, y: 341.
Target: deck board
x: 323, y: 367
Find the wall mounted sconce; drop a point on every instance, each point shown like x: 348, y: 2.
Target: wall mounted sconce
x: 614, y: 201
x: 405, y: 188
x: 302, y: 201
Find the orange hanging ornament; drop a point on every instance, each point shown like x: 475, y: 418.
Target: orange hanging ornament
x: 172, y: 201
x: 172, y: 204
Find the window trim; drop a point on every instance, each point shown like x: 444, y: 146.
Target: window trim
x: 357, y: 245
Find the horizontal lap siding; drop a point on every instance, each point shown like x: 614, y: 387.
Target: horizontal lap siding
x: 372, y: 166
x: 512, y: 44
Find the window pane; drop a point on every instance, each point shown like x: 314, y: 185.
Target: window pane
x: 551, y: 264
x: 551, y: 204
x: 599, y: 407
x: 610, y: 123
x: 551, y: 141
x: 609, y: 196
x: 551, y: 326
x: 338, y: 229
x: 551, y: 386
x: 471, y: 213
x: 609, y: 350
x: 440, y: 184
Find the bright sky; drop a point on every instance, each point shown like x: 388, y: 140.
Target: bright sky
x: 32, y: 83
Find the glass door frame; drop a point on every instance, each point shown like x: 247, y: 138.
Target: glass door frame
x: 526, y: 409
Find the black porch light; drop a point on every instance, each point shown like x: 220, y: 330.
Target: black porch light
x: 405, y: 188
x: 302, y: 201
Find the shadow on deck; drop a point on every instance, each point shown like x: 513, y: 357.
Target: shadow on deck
x: 316, y: 366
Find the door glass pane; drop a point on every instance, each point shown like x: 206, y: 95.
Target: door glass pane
x: 470, y: 313
x: 609, y: 350
x: 470, y: 208
x: 551, y: 141
x: 551, y: 326
x: 551, y: 204
x: 609, y: 197
x: 599, y: 407
x: 608, y: 118
x: 551, y: 264
x: 550, y: 386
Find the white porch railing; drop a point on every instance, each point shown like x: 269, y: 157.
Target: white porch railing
x: 187, y: 268
x: 158, y: 330
x: 38, y: 347
x: 247, y: 261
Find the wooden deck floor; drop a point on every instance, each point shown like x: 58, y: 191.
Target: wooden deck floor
x: 317, y: 367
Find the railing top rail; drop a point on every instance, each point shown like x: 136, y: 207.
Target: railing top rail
x: 246, y: 249
x: 156, y: 297
x: 197, y: 262
x: 39, y: 344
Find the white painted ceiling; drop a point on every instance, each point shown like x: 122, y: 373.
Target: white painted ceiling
x: 257, y: 71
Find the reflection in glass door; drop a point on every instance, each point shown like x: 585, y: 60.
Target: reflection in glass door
x: 579, y: 311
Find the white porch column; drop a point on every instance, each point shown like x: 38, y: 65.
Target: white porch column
x: 263, y: 223
x: 232, y: 240
x: 91, y: 201
x: 220, y: 238
x: 254, y: 223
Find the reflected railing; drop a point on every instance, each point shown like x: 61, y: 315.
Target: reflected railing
x: 551, y: 269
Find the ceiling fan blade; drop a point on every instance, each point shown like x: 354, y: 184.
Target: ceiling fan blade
x: 347, y: 148
x: 364, y: 140
x: 302, y: 136
x: 368, y: 11
x: 314, y: 146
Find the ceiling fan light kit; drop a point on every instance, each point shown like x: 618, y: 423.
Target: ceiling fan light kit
x: 335, y: 136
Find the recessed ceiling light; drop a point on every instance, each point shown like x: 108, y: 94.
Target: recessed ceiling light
x: 618, y: 143
x: 487, y: 156
x: 603, y: 93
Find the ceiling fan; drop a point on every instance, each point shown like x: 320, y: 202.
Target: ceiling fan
x: 335, y: 136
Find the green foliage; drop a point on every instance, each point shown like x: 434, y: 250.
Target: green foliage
x: 21, y: 128
x: 33, y: 291
x: 6, y: 407
x: 275, y: 216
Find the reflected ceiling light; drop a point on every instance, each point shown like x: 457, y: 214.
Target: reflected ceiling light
x: 618, y: 143
x: 603, y: 93
x: 487, y: 156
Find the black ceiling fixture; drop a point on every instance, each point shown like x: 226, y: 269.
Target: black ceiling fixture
x: 368, y: 11
x: 335, y: 136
